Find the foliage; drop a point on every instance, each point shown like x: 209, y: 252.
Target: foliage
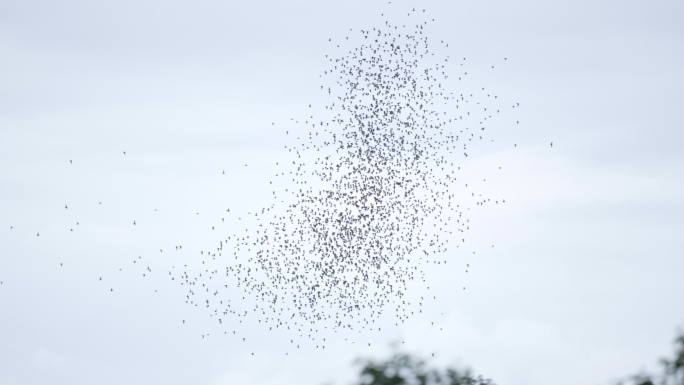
x: 403, y: 369
x: 672, y: 369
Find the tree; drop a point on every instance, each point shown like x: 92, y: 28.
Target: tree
x: 404, y: 369
x: 672, y: 369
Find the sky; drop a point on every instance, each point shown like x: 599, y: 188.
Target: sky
x: 583, y: 285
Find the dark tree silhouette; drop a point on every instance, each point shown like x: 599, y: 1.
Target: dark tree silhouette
x: 672, y: 370
x: 404, y: 369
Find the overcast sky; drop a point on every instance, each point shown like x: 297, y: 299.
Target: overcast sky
x: 584, y: 284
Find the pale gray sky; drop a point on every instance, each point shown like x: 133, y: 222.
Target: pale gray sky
x: 584, y: 284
